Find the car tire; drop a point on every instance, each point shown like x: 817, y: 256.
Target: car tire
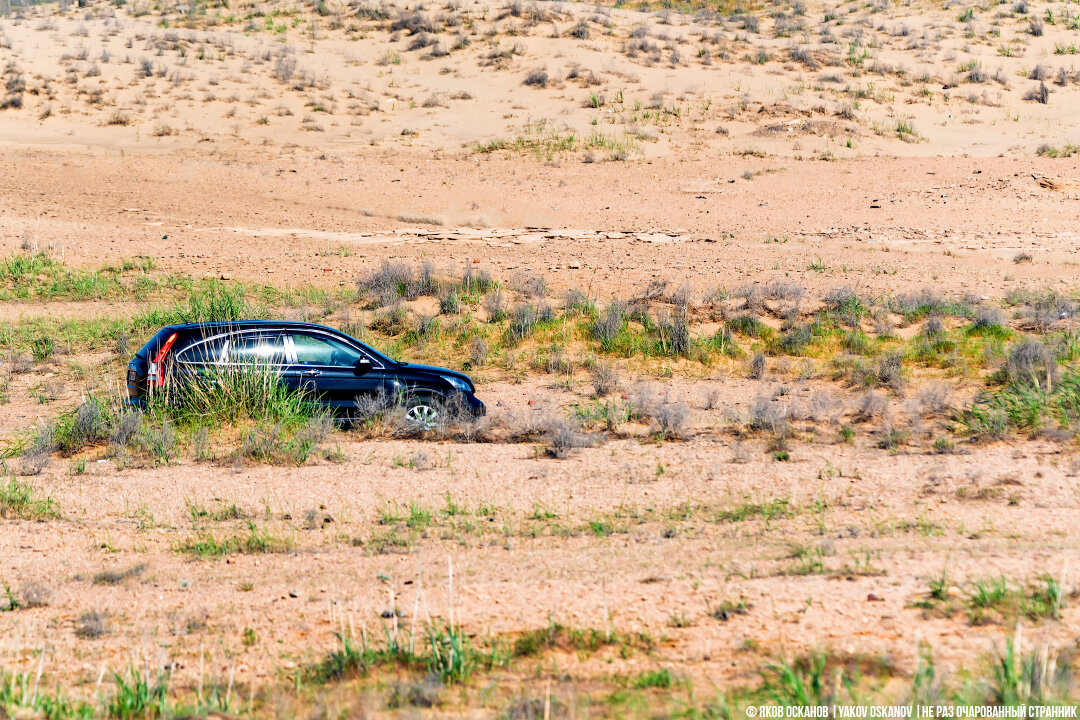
x: 422, y: 412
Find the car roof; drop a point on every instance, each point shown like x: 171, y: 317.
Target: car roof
x: 246, y: 324
x: 226, y: 325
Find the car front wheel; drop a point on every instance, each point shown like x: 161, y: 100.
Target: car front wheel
x: 422, y: 413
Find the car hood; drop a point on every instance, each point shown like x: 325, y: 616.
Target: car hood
x: 435, y: 370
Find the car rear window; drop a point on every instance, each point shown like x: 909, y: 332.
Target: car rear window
x: 204, y: 351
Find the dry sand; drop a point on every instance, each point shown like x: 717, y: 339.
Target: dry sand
x: 886, y: 148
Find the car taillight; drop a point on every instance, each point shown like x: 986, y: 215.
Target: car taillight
x: 157, y: 365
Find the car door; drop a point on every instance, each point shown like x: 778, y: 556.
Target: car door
x: 263, y: 349
x: 327, y: 366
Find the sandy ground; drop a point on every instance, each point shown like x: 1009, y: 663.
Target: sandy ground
x: 305, y: 148
x: 641, y: 576
x: 873, y: 222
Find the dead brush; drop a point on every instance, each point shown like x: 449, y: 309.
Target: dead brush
x: 528, y: 426
x: 653, y: 292
x: 459, y: 424
x: 651, y: 404
x: 769, y: 416
x: 845, y: 305
x: 387, y: 283
x: 934, y: 399
x: 392, y: 321
x: 92, y: 624
x: 1045, y: 313
x: 671, y: 418
x: 786, y: 298
x: 803, y: 56
x: 393, y: 280
x: 34, y: 594
x: 495, y: 306
x: 887, y: 372
x: 605, y: 378
x: 825, y: 408
x: 524, y: 319
x: 752, y: 297
x: 556, y: 361
x: 537, y: 78
x: 758, y: 367
x: 987, y: 318
x: 870, y: 406
x: 673, y: 329
x: 376, y: 414
x: 610, y: 323
x: 415, y: 22
x: 478, y: 351
x: 890, y: 437
x: 1030, y: 363
x: 563, y: 437
x: 530, y: 285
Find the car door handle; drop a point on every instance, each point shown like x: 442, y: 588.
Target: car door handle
x: 312, y: 373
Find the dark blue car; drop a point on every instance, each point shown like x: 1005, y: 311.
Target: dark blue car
x: 338, y: 371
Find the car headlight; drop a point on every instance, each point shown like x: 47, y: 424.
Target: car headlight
x: 457, y: 383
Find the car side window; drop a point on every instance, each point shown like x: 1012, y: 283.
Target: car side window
x: 321, y: 350
x: 257, y: 348
x: 202, y: 353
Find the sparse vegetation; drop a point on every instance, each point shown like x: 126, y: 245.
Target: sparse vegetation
x: 772, y: 307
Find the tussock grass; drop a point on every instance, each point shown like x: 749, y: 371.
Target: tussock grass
x: 255, y: 541
x: 556, y: 636
x: 229, y: 395
x: 115, y: 577
x: 209, y: 301
x: 22, y: 501
x: 546, y: 142
x: 40, y: 276
x: 275, y: 423
x: 270, y: 424
x: 995, y: 600
x: 767, y: 511
x: 1025, y: 406
x: 444, y: 651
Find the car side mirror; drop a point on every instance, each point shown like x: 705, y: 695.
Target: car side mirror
x: 362, y: 367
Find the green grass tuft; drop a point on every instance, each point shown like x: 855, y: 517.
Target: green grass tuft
x: 22, y: 501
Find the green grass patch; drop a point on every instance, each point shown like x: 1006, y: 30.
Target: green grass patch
x: 255, y: 541
x: 768, y: 511
x: 995, y: 414
x: 22, y: 501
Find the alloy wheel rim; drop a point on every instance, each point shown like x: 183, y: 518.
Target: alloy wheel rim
x: 423, y: 415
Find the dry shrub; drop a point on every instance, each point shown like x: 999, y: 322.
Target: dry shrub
x: 605, y: 378
x: 92, y: 624
x: 1030, y: 363
x: 649, y: 402
x: 34, y: 594
x: 869, y: 406
x: 537, y: 78
x: 564, y: 436
x: 768, y: 415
